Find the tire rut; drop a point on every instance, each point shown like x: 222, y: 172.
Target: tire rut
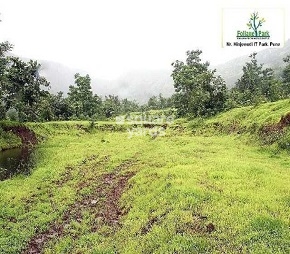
x: 102, y: 202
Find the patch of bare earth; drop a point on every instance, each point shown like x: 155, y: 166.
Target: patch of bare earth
x: 277, y: 127
x: 27, y: 136
x: 102, y: 203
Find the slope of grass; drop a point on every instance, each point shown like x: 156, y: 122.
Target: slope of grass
x: 257, y: 123
x: 260, y: 115
x: 190, y: 193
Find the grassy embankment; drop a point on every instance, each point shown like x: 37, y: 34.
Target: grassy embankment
x: 7, y: 138
x: 198, y: 189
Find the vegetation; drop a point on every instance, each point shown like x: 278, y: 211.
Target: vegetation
x: 257, y: 85
x: 202, y: 193
x: 198, y: 91
x: 25, y: 96
x: 217, y: 183
x: 7, y: 138
x: 286, y: 76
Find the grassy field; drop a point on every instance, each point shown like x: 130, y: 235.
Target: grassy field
x: 95, y: 190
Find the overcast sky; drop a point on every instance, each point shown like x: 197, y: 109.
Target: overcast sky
x: 109, y: 37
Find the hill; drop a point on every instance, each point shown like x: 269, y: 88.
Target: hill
x: 137, y: 85
x: 261, y: 115
x: 140, y: 85
x: 231, y: 71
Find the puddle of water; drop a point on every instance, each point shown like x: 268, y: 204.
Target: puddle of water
x: 15, y: 161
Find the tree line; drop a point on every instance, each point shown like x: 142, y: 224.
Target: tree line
x: 199, y: 92
x: 25, y: 95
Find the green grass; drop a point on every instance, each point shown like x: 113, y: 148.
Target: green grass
x: 211, y: 193
x: 7, y: 138
x: 262, y: 114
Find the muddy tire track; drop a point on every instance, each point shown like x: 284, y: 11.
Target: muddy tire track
x: 102, y: 203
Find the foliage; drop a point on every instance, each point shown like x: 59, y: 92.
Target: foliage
x: 7, y: 138
x: 129, y: 106
x: 286, y: 77
x: 5, y: 47
x: 198, y: 91
x: 12, y: 114
x: 23, y: 88
x: 81, y: 97
x: 111, y: 106
x: 159, y: 102
x: 256, y: 85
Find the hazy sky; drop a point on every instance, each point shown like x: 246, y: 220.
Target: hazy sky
x: 109, y: 37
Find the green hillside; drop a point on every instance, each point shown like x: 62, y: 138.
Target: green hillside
x: 260, y: 115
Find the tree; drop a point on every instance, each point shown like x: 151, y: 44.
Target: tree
x: 55, y: 107
x: 256, y: 84
x: 81, y: 97
x: 153, y: 102
x: 111, y: 106
x: 5, y: 47
x: 163, y: 102
x: 286, y: 77
x: 128, y: 106
x: 23, y: 88
x: 198, y: 91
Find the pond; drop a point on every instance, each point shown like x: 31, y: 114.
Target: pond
x: 15, y: 161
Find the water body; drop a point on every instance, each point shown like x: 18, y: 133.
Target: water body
x: 15, y: 161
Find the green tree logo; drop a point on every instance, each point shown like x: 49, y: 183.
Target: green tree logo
x: 255, y: 22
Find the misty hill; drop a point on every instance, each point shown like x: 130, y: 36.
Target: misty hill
x: 141, y: 85
x: 231, y: 71
x: 135, y: 85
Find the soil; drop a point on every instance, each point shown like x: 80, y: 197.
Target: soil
x: 27, y: 136
x: 277, y: 127
x: 285, y: 120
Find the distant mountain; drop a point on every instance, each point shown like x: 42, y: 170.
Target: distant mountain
x: 141, y: 85
x: 231, y: 71
x: 134, y: 85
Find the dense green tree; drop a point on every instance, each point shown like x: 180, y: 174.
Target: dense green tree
x: 5, y: 47
x: 286, y: 77
x: 55, y: 107
x: 83, y: 102
x: 256, y: 84
x: 128, y: 106
x: 97, y: 104
x: 153, y: 102
x: 111, y: 106
x: 198, y: 91
x: 159, y: 102
x: 24, y: 88
x: 164, y: 102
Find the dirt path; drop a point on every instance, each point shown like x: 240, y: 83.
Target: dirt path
x: 102, y: 202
